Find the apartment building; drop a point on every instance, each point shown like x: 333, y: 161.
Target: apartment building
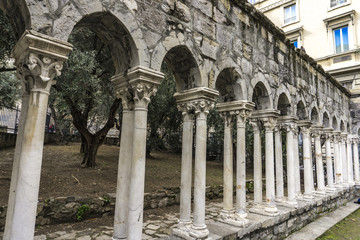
x: 328, y: 30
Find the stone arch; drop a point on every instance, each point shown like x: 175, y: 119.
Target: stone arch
x: 18, y: 14
x: 115, y: 35
x: 334, y: 123
x: 117, y: 26
x: 283, y: 103
x: 184, y: 68
x: 230, y: 85
x: 301, y: 111
x: 260, y: 96
x: 314, y: 115
x: 325, y: 119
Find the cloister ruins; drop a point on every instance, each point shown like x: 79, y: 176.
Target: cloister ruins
x: 221, y: 51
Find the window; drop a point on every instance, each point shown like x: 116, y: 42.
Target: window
x: 252, y: 1
x: 341, y: 39
x: 295, y: 43
x: 290, y: 14
x: 334, y: 3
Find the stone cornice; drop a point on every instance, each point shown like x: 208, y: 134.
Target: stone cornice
x: 235, y: 105
x: 275, y: 5
x: 199, y: 93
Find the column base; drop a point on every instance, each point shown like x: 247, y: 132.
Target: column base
x: 357, y: 182
x: 264, y: 209
x: 234, y: 219
x: 182, y: 229
x: 330, y: 189
x: 339, y: 186
x: 320, y: 192
x: 308, y: 197
x: 199, y: 232
x: 115, y: 238
x: 352, y: 183
x: 288, y: 203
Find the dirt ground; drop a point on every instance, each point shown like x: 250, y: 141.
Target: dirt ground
x: 62, y: 174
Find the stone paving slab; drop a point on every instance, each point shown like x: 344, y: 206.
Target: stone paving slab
x: 321, y: 225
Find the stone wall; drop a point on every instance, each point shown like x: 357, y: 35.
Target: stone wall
x: 9, y: 139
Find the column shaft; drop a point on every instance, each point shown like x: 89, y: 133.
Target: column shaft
x: 356, y: 161
x: 269, y: 158
x: 123, y: 179
x: 337, y: 161
x: 279, y: 165
x: 308, y: 183
x: 257, y: 166
x: 297, y: 164
x: 186, y: 169
x: 199, y: 228
x: 290, y: 165
x: 329, y: 165
x: 344, y: 162
x: 241, y: 167
x: 137, y: 184
x: 319, y: 165
x: 350, y: 162
x: 25, y: 205
x: 228, y: 165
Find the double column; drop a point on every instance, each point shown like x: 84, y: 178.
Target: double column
x: 350, y: 163
x: 355, y: 142
x: 240, y: 110
x: 330, y: 187
x: 337, y: 159
x: 268, y: 118
x: 307, y: 158
x: 39, y: 59
x: 196, y: 102
x: 135, y: 89
x: 316, y: 133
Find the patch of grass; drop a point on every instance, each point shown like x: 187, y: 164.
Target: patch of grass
x: 81, y: 211
x: 348, y: 228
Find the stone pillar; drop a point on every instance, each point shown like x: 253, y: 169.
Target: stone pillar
x: 198, y: 228
x: 297, y: 163
x: 143, y: 82
x: 307, y: 159
x: 337, y: 160
x: 279, y: 165
x: 350, y: 161
x: 186, y: 165
x: 344, y: 159
x: 319, y: 162
x: 241, y: 116
x: 291, y: 199
x: 228, y: 165
x: 329, y: 165
x: 269, y: 124
x: 124, y: 167
x: 257, y: 163
x: 39, y: 59
x: 356, y: 160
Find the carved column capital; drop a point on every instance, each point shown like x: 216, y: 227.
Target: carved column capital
x: 227, y: 116
x: 305, y: 131
x: 242, y: 115
x: 127, y: 98
x: 355, y: 140
x: 203, y: 106
x: 39, y: 58
x: 255, y: 125
x: 269, y: 123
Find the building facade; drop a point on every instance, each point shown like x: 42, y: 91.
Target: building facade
x: 328, y: 30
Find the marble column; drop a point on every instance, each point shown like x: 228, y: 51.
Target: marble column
x: 319, y: 162
x: 143, y: 82
x: 297, y: 163
x: 291, y: 197
x: 337, y: 160
x: 39, y: 59
x: 349, y: 159
x: 307, y: 159
x: 257, y: 163
x: 228, y: 206
x: 241, y: 116
x: 329, y: 164
x: 124, y: 167
x: 269, y: 124
x: 279, y: 165
x: 356, y: 160
x: 344, y: 160
x: 186, y: 165
x: 198, y: 228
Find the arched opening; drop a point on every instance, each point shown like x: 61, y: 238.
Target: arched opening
x: 115, y: 36
x: 314, y: 116
x: 228, y: 84
x: 184, y: 67
x: 335, y: 125
x: 342, y: 126
x: 301, y: 111
x: 284, y: 105
x: 326, y: 120
x: 261, y: 97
